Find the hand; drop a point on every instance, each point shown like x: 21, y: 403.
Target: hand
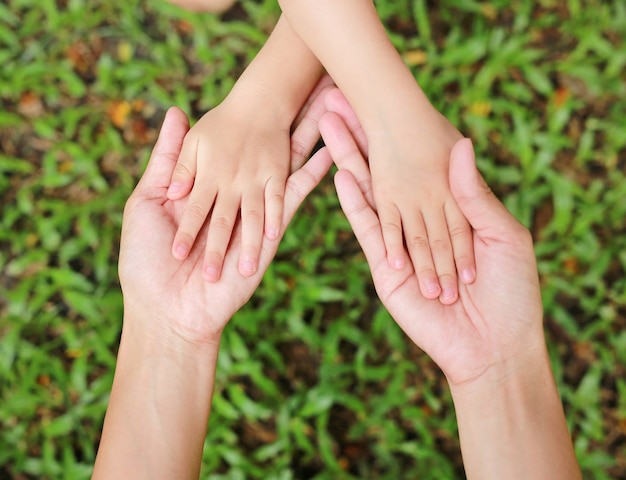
x: 409, y: 171
x: 217, y: 6
x: 236, y: 159
x: 498, y: 317
x: 168, y: 295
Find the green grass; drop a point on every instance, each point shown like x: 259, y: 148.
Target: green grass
x: 314, y: 380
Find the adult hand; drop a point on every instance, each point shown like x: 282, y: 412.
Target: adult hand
x: 489, y: 343
x: 171, y: 297
x: 498, y: 317
x: 157, y: 417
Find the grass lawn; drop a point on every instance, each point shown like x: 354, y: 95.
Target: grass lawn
x: 314, y: 380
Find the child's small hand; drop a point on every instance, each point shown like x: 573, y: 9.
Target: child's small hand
x: 410, y: 188
x: 232, y: 161
x: 234, y: 165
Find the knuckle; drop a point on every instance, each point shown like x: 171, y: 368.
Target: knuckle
x: 253, y: 215
x: 366, y: 185
x: 459, y: 230
x: 299, y: 149
x: 439, y: 245
x: 196, y: 211
x: 222, y: 223
x: 418, y: 242
x: 182, y: 170
x: 277, y: 197
x: 300, y: 188
x: 391, y: 228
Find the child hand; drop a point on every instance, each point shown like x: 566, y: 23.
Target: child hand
x: 409, y: 168
x: 233, y: 160
x: 237, y: 160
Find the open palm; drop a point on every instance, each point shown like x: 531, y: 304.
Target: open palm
x: 174, y: 293
x: 495, y: 316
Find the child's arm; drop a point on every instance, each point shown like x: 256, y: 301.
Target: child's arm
x: 237, y: 157
x: 409, y: 140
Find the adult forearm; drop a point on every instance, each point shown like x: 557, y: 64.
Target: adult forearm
x: 511, y: 424
x: 352, y: 44
x: 283, y: 73
x: 159, y: 408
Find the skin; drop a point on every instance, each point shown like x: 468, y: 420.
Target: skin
x: 215, y: 6
x: 406, y: 134
x: 157, y: 417
x: 235, y: 160
x: 490, y: 343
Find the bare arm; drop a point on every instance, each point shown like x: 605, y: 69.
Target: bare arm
x: 173, y: 320
x: 238, y: 154
x: 159, y: 408
x: 406, y: 134
x: 490, y: 344
x: 512, y: 425
x: 352, y: 44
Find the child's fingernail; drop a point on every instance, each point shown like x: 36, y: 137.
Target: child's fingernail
x: 248, y: 266
x: 272, y: 233
x: 467, y: 275
x: 448, y: 294
x: 174, y: 189
x: 398, y: 264
x: 181, y: 250
x: 433, y: 289
x: 211, y: 273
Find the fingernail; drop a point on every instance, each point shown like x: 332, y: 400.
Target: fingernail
x: 398, y: 264
x: 272, y: 233
x: 248, y: 267
x: 211, y: 273
x: 467, y: 275
x: 173, y: 189
x: 181, y: 251
x: 433, y: 289
x: 448, y: 294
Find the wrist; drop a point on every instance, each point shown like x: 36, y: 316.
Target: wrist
x: 507, y: 376
x: 152, y: 336
x: 511, y: 422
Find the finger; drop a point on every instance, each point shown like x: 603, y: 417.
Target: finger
x: 185, y: 170
x: 485, y: 213
x: 221, y: 227
x: 298, y: 186
x: 442, y: 255
x: 252, y: 220
x: 336, y: 102
x: 322, y: 84
x: 307, y: 133
x: 302, y: 182
x: 362, y: 218
x: 274, y: 202
x: 462, y: 242
x: 194, y: 216
x: 391, y: 222
x: 165, y: 153
x: 345, y: 152
x: 421, y: 256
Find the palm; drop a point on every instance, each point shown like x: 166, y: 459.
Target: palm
x: 173, y: 294
x: 489, y: 318
x: 152, y: 273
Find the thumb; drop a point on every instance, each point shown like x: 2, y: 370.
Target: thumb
x: 164, y: 156
x: 485, y: 213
